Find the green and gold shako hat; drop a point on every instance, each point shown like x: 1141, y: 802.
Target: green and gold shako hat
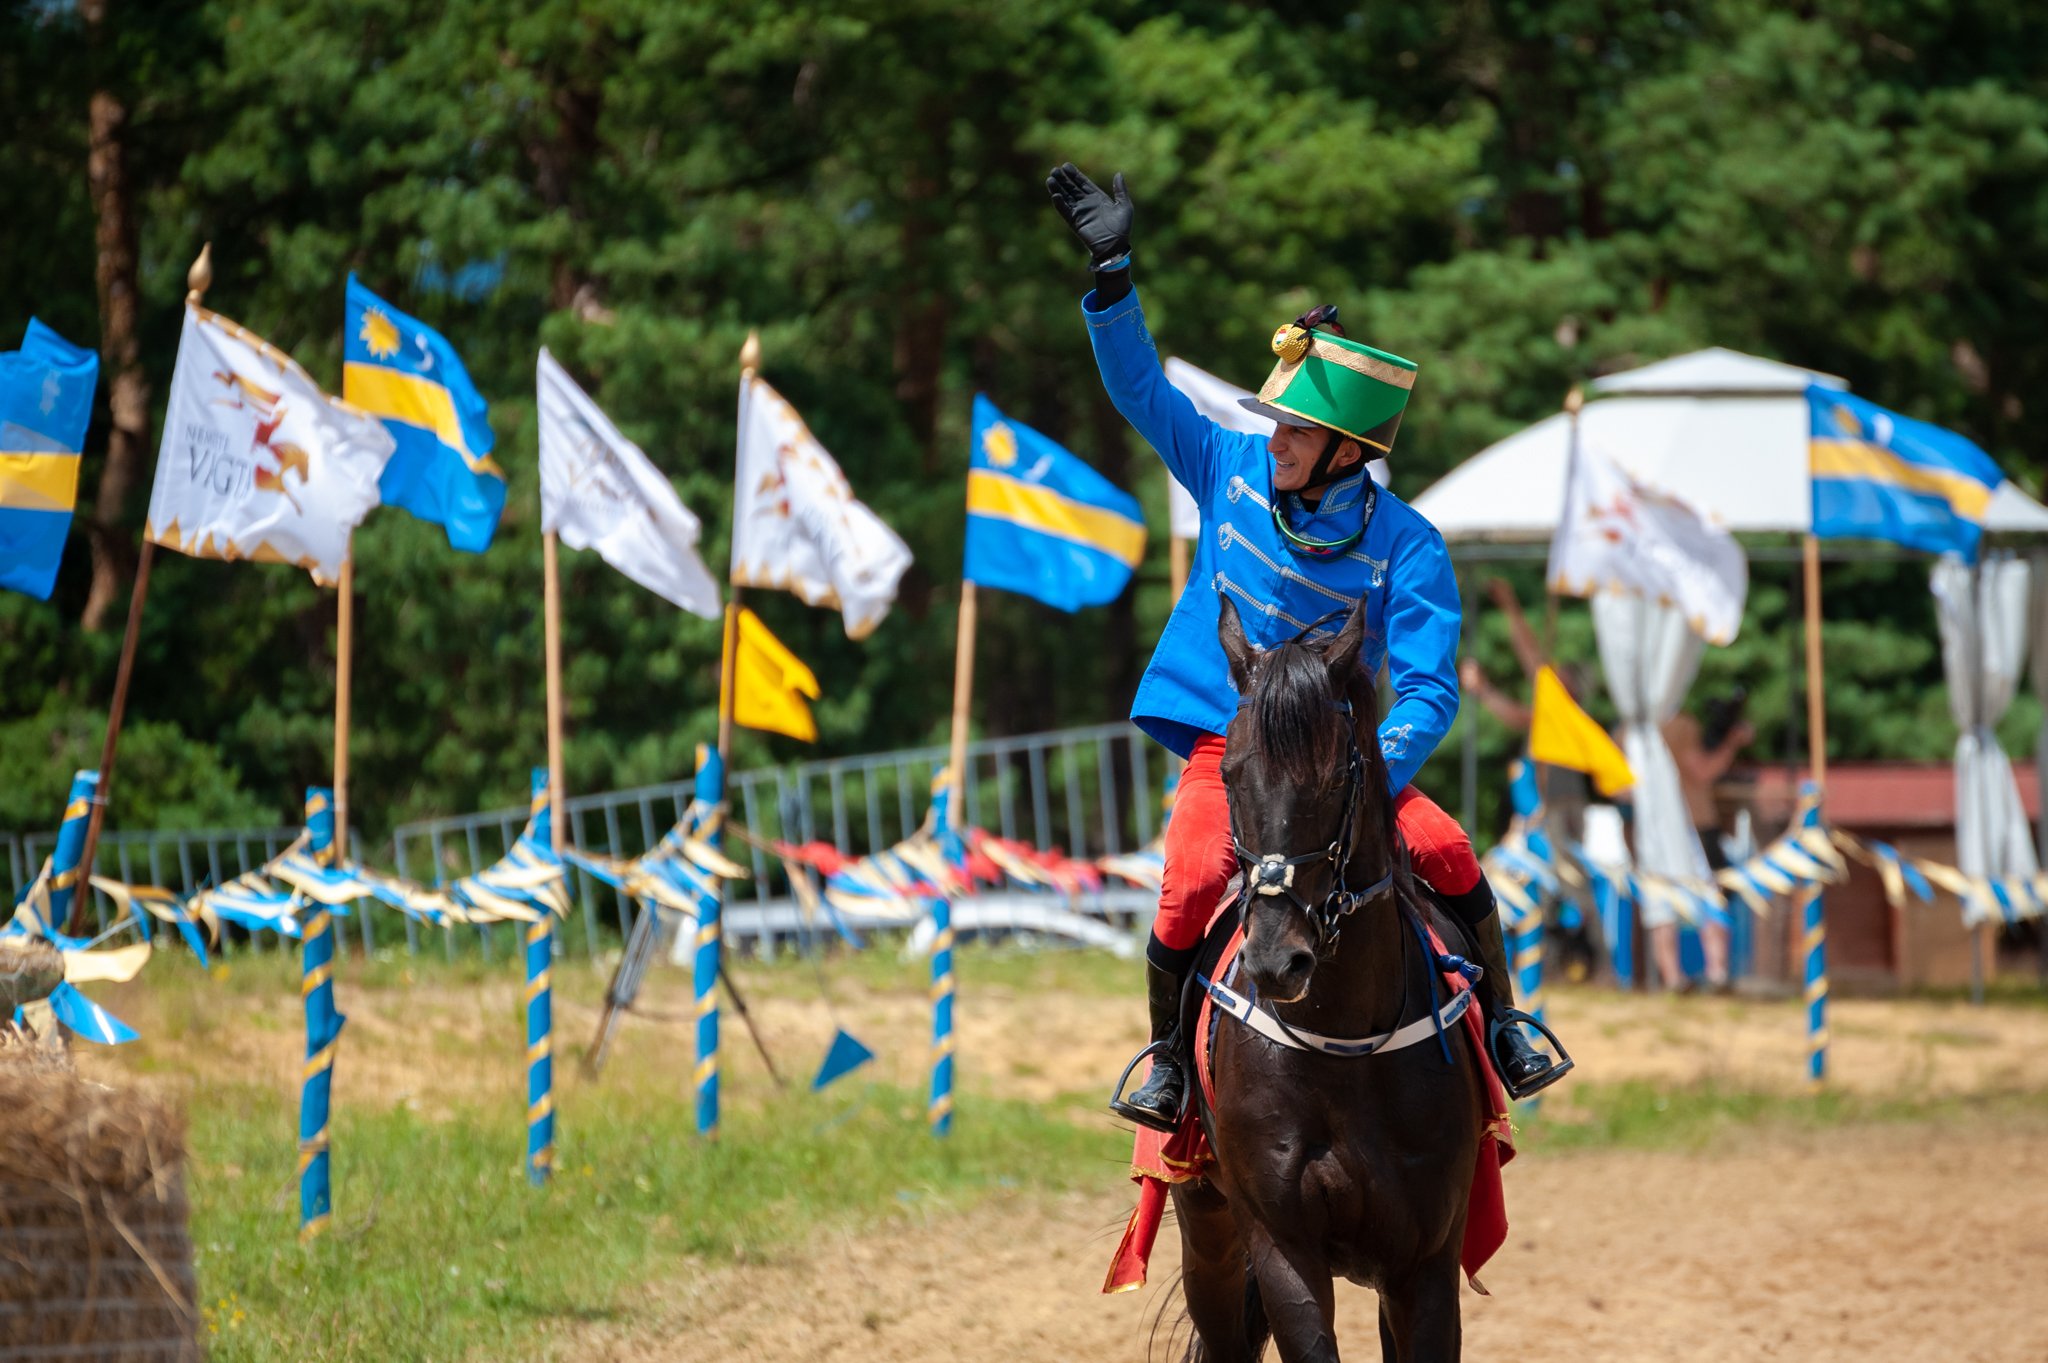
x: 1324, y: 379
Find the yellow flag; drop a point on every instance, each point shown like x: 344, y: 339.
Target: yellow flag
x: 770, y: 683
x: 1563, y: 735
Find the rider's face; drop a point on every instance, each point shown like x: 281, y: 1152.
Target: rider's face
x: 1295, y: 450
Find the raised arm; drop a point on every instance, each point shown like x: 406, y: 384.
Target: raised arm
x: 1503, y: 707
x: 1422, y: 622
x: 1124, y: 353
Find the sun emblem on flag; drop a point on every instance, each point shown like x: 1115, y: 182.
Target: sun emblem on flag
x: 1846, y: 422
x: 379, y: 334
x: 1001, y: 444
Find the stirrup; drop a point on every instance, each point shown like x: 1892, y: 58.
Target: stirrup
x: 1164, y: 1046
x: 1560, y: 1064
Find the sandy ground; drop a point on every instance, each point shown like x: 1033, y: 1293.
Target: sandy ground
x: 1893, y: 1243
x: 1890, y: 1241
x: 1855, y: 1245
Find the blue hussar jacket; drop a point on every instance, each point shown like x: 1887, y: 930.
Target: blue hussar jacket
x: 1400, y: 566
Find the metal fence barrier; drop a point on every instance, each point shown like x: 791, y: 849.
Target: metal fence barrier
x: 1089, y: 792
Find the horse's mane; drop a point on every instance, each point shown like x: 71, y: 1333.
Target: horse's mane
x: 1290, y: 708
x: 1290, y: 704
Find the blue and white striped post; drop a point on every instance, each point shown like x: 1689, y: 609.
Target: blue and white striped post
x: 323, y: 1031
x: 939, y: 1111
x: 540, y: 1008
x: 1816, y: 942
x: 710, y: 792
x: 1526, y: 952
x: 939, y: 1114
x: 66, y: 875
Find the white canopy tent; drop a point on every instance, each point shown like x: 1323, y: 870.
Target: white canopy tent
x: 1724, y: 430
x: 1729, y: 433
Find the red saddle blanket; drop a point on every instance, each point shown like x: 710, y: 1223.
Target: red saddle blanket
x: 1161, y: 1159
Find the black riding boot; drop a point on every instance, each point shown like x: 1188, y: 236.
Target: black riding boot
x: 1523, y: 1069
x: 1157, y: 1102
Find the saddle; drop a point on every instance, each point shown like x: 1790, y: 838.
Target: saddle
x: 1159, y: 1159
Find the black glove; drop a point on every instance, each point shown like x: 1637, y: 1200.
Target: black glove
x: 1102, y: 221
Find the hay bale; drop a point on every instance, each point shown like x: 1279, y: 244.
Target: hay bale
x: 95, y: 1262
x: 30, y: 969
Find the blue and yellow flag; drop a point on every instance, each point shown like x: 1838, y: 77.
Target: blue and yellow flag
x: 46, y: 392
x: 402, y: 370
x: 1042, y: 522
x: 1881, y: 476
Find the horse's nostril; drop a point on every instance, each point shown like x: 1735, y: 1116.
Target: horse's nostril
x: 1300, y: 963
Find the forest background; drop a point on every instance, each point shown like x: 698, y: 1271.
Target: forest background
x: 1517, y: 194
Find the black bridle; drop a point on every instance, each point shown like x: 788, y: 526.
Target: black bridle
x: 1273, y: 874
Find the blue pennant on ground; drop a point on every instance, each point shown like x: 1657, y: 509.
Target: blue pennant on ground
x: 843, y: 1056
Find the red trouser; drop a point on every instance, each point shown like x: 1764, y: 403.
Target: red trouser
x: 1200, y: 861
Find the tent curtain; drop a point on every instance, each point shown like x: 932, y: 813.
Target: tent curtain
x: 1650, y: 657
x: 1983, y: 615
x: 2038, y: 613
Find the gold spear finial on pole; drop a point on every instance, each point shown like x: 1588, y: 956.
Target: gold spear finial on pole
x: 1575, y: 400
x: 199, y: 278
x: 750, y: 353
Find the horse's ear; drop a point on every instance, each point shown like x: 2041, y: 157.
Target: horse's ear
x: 1342, y: 655
x: 1230, y: 631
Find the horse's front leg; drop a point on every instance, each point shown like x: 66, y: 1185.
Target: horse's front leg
x: 1212, y: 1278
x: 1419, y: 1313
x: 1299, y: 1299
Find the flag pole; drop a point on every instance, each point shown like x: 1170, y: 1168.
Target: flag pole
x: 198, y: 280
x: 963, y: 693
x: 1177, y: 566
x: 1812, y: 918
x: 551, y: 618
x: 1816, y: 698
x: 939, y: 1111
x: 707, y: 964
x: 540, y: 935
x: 750, y: 364
x: 344, y: 654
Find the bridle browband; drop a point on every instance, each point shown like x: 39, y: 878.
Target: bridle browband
x: 1272, y: 873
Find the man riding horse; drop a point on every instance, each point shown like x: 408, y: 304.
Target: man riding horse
x: 1294, y: 531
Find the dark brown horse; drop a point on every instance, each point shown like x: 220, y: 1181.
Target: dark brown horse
x: 1326, y: 1165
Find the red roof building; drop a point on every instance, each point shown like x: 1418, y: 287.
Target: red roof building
x: 1912, y: 806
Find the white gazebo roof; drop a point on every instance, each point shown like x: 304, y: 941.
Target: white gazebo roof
x: 1724, y: 430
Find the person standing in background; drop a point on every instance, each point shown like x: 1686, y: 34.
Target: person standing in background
x: 1564, y: 792
x: 1704, y: 753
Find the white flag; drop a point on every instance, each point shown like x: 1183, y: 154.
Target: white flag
x: 1220, y: 401
x: 598, y: 490
x: 256, y: 462
x: 795, y: 524
x: 1618, y: 535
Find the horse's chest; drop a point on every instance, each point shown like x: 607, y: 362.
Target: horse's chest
x: 1374, y: 1178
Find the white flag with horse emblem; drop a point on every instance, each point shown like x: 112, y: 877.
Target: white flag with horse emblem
x: 1621, y: 535
x: 257, y: 462
x: 599, y: 490
x: 795, y: 524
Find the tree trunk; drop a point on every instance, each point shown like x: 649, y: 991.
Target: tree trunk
x: 924, y: 303
x: 557, y: 165
x: 113, y: 558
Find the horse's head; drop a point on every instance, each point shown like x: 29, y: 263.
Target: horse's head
x: 1307, y: 790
